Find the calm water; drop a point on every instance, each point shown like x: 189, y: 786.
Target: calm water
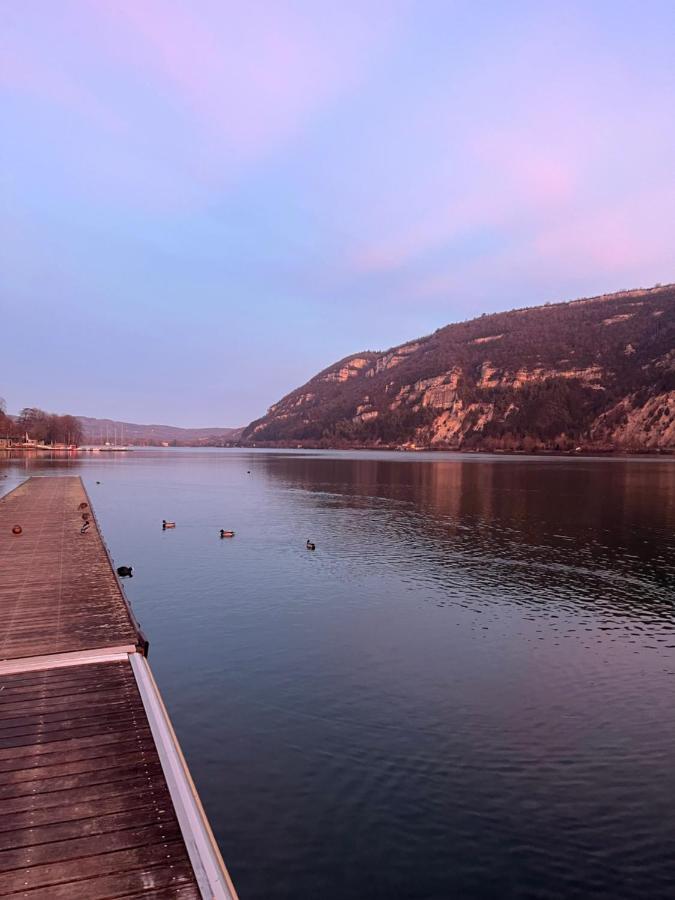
x: 467, y: 691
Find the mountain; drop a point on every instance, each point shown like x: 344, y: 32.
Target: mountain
x: 597, y: 372
x: 98, y: 430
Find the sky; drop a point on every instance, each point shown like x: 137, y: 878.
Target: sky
x: 204, y: 203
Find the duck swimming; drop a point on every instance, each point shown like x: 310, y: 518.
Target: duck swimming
x: 125, y: 571
x: 166, y: 524
x: 225, y: 534
x: 310, y: 545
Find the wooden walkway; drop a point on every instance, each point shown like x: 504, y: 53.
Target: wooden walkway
x: 96, y: 801
x: 58, y: 591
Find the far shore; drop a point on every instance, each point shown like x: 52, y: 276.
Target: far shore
x: 586, y: 451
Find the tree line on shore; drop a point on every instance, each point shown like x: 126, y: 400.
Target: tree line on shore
x: 47, y: 428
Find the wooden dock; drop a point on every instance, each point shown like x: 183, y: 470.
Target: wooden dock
x: 96, y: 800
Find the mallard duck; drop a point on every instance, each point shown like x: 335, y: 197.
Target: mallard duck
x: 225, y: 534
x: 166, y: 524
x: 310, y: 545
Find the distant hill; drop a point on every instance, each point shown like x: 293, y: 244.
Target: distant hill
x: 597, y: 372
x: 98, y: 430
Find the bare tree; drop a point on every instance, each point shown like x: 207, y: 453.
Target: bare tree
x: 49, y: 428
x: 6, y: 424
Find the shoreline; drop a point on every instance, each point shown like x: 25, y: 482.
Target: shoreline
x: 582, y: 451
x: 6, y: 452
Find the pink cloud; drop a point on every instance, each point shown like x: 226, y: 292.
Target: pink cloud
x: 621, y: 237
x: 496, y: 178
x: 250, y: 78
x: 618, y: 245
x: 566, y: 168
x: 543, y: 172
x: 446, y: 220
x: 199, y: 94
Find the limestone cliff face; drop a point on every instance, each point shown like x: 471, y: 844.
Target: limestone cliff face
x: 631, y: 424
x: 599, y: 372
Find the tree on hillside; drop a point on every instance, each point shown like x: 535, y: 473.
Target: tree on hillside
x: 49, y: 428
x: 6, y: 424
x: 69, y: 429
x: 33, y: 422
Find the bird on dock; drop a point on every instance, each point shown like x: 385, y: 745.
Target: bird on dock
x: 225, y: 534
x: 125, y: 571
x: 166, y: 524
x: 85, y: 527
x: 310, y: 545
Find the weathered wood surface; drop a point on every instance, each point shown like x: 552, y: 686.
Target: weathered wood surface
x: 85, y: 811
x: 58, y: 592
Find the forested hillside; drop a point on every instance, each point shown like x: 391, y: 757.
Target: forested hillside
x: 597, y: 372
x: 99, y: 430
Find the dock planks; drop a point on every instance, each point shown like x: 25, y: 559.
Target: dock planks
x: 58, y: 592
x: 95, y: 798
x: 74, y: 809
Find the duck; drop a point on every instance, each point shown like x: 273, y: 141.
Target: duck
x: 166, y: 524
x: 310, y: 545
x: 224, y: 533
x: 125, y: 571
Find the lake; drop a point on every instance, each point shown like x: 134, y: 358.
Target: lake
x: 466, y: 691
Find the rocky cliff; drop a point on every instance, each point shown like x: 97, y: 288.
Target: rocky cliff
x: 597, y: 372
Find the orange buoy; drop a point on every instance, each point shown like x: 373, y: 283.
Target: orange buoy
x: 17, y: 529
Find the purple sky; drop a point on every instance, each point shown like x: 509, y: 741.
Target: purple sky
x: 205, y: 202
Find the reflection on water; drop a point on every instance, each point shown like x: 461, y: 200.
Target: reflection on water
x: 591, y: 534
x: 466, y: 691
